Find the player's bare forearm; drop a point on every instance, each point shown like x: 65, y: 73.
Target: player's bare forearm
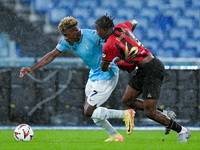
x: 49, y: 57
x: 105, y: 66
x: 44, y: 61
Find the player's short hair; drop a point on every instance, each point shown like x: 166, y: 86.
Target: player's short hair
x: 67, y: 23
x: 105, y: 22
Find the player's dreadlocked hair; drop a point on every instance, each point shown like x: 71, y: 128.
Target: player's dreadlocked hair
x: 105, y: 22
x: 67, y: 23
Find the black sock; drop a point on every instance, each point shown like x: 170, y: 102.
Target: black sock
x: 174, y: 126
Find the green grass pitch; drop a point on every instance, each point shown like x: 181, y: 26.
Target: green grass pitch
x: 94, y: 140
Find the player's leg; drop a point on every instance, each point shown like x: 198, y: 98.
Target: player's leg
x: 103, y: 123
x: 149, y: 107
x: 98, y: 92
x: 149, y: 80
x: 103, y: 113
x: 151, y: 92
x: 151, y: 112
x: 130, y: 99
x: 171, y: 115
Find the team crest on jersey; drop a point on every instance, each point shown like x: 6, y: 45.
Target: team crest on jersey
x: 103, y: 55
x: 86, y: 46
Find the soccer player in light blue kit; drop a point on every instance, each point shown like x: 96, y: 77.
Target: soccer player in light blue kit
x: 87, y: 45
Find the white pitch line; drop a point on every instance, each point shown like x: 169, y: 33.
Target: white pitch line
x: 139, y: 128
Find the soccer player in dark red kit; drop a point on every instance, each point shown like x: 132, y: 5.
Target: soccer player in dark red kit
x: 128, y: 53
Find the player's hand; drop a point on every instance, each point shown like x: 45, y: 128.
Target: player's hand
x: 116, y: 59
x: 24, y: 71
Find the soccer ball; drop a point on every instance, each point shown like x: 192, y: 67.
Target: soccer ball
x: 23, y: 132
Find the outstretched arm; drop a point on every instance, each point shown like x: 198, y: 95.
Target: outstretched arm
x: 49, y: 57
x: 134, y: 24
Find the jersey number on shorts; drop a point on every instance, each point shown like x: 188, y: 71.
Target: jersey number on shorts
x: 94, y: 93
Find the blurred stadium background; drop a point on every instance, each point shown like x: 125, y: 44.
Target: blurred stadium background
x: 52, y: 95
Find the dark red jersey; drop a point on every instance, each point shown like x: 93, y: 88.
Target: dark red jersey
x: 123, y: 44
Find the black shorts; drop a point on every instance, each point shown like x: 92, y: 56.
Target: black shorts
x: 148, y: 79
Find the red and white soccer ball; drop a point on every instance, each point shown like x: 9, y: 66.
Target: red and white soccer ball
x: 23, y: 132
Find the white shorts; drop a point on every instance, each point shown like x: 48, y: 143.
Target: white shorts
x: 98, y: 92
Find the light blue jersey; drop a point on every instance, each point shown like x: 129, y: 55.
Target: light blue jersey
x: 90, y: 51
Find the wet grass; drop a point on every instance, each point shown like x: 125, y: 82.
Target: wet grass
x: 94, y: 140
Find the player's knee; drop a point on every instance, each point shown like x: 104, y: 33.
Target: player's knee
x: 126, y: 101
x: 100, y: 113
x: 87, y: 113
x: 89, y: 109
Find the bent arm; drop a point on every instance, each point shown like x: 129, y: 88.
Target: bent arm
x: 105, y: 66
x: 133, y: 24
x: 49, y: 57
